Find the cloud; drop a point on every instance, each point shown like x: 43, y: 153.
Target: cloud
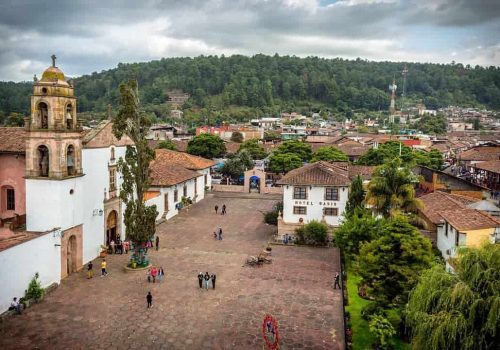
x: 94, y: 35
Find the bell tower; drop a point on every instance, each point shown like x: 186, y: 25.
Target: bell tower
x: 53, y: 153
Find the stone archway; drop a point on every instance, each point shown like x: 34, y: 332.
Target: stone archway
x: 71, y: 255
x: 111, y: 227
x: 255, y: 174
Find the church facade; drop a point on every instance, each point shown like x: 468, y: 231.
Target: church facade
x: 71, y: 186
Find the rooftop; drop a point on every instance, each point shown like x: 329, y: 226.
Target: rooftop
x: 481, y: 154
x: 319, y: 173
x: 490, y: 165
x: 186, y: 160
x: 436, y: 202
x: 469, y: 219
x: 12, y: 140
x: 163, y: 173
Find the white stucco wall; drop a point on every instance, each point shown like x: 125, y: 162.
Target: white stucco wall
x: 96, y: 183
x: 444, y: 243
x: 315, y: 196
x: 159, y: 201
x: 19, y: 264
x: 209, y: 177
x: 49, y: 203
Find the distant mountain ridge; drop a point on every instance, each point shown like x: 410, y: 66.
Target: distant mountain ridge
x: 262, y: 80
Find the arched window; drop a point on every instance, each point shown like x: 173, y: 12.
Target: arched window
x: 112, y: 153
x: 69, y: 116
x: 43, y: 160
x: 43, y: 115
x: 70, y: 160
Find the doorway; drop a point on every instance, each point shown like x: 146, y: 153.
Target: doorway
x: 71, y: 256
x: 254, y: 185
x: 111, y: 224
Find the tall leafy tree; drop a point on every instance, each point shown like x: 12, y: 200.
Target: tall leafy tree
x: 254, y: 148
x: 131, y: 121
x: 206, y: 146
x: 458, y: 310
x: 301, y: 149
x: 329, y: 154
x: 356, y: 195
x: 284, y: 162
x: 391, y: 189
x: 391, y: 264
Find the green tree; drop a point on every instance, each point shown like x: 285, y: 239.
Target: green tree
x: 237, y: 164
x: 458, y: 310
x: 356, y: 195
x: 284, y: 162
x: 391, y: 264
x: 254, y: 148
x: 206, y: 146
x: 301, y: 149
x: 271, y: 135
x: 432, y: 159
x: 15, y: 119
x: 131, y: 121
x: 382, y: 329
x: 329, y: 154
x: 167, y: 144
x: 358, y: 228
x: 391, y: 189
x: 237, y: 136
x: 314, y: 232
x: 386, y: 152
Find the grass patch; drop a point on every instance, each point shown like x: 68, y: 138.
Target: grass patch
x: 362, y: 339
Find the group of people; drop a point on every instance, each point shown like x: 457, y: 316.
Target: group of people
x: 207, y: 279
x: 223, y: 209
x: 218, y: 234
x: 154, y: 274
x: 90, y: 269
x: 119, y: 246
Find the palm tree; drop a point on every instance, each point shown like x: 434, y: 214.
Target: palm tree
x: 392, y: 189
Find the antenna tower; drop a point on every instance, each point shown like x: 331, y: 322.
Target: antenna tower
x: 404, y: 73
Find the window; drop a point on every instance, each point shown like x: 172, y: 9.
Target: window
x: 300, y: 210
x: 195, y: 187
x: 43, y: 115
x: 206, y: 179
x: 176, y: 196
x: 112, y: 179
x: 69, y: 117
x: 185, y: 190
x: 112, y: 153
x: 165, y: 200
x: 331, y: 194
x: 299, y: 193
x: 11, y: 199
x: 330, y: 212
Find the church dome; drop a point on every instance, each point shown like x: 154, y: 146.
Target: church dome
x: 53, y: 75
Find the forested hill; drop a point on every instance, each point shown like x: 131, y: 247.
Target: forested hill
x: 261, y: 80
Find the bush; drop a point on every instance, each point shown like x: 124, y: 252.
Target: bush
x: 313, y: 233
x: 372, y: 309
x: 271, y: 217
x: 382, y: 329
x: 35, y: 290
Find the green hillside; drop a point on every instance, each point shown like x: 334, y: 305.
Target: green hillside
x: 270, y: 84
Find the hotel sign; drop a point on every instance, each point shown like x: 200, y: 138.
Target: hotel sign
x: 322, y: 203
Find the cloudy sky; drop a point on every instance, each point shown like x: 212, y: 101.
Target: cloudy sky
x: 88, y: 35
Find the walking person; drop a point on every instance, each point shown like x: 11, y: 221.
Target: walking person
x: 90, y: 273
x: 220, y: 234
x: 160, y: 274
x: 148, y: 275
x: 213, y: 277
x: 216, y: 209
x: 157, y: 243
x: 103, y: 268
x: 154, y: 272
x: 207, y: 280
x: 223, y: 212
x: 149, y: 299
x: 337, y: 281
x: 112, y: 245
x: 200, y: 279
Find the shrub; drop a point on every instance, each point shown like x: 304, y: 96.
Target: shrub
x: 271, y: 217
x: 382, y: 329
x: 35, y: 290
x: 314, y: 233
x: 371, y: 309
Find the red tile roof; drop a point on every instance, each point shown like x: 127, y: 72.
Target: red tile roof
x: 481, y: 154
x: 319, y: 173
x: 12, y: 140
x: 436, y: 202
x: 164, y: 173
x: 186, y: 160
x: 490, y: 165
x: 469, y: 219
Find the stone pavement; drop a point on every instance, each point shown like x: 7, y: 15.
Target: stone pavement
x: 111, y: 313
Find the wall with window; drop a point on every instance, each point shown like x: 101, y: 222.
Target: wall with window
x: 12, y: 171
x: 307, y: 203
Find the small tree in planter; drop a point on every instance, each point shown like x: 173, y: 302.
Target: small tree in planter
x: 314, y: 233
x: 139, y: 218
x: 35, y: 290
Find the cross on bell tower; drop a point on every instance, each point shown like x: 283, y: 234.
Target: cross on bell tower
x: 53, y: 60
